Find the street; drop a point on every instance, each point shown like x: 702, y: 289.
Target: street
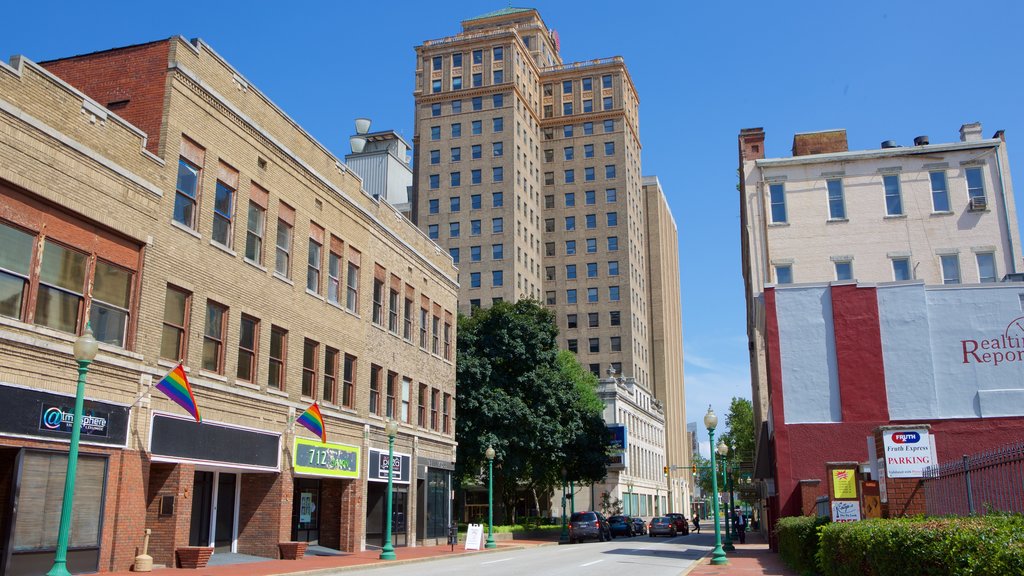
x: 639, y: 555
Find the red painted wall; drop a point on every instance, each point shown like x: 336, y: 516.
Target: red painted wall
x: 859, y: 354
x: 135, y: 73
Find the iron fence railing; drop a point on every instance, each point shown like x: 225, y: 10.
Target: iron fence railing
x: 991, y: 481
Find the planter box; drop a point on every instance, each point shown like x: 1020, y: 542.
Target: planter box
x: 292, y: 550
x: 194, y: 556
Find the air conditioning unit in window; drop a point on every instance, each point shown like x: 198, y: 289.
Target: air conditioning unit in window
x: 978, y: 204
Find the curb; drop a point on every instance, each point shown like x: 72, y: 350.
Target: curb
x: 375, y: 564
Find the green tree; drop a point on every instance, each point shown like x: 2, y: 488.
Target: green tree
x: 740, y: 439
x: 536, y: 406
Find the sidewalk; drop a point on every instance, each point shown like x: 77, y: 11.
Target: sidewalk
x: 313, y: 565
x: 750, y: 559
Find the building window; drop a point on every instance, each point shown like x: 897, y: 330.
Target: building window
x: 570, y: 296
x: 435, y: 132
x: 474, y: 227
x: 609, y: 148
x: 571, y: 320
x: 568, y: 152
x: 435, y: 109
x: 566, y: 108
x: 893, y: 198
x: 423, y: 328
x: 435, y: 399
x: 447, y: 340
x: 570, y: 223
x: 588, y: 173
x: 548, y: 113
x: 348, y: 391
x: 613, y: 218
x: 591, y: 269
x: 497, y: 149
x: 378, y: 301
x: 391, y: 405
x: 784, y: 274
x: 435, y: 181
x: 436, y: 64
x: 588, y: 150
x: 257, y: 222
x: 549, y: 272
x: 550, y: 298
x: 777, y: 194
x: 588, y: 129
x: 474, y: 176
x: 570, y: 247
x: 570, y: 199
x: 567, y: 131
x: 476, y: 127
x: 573, y: 345
x: 901, y: 269
x: 476, y: 151
x: 588, y: 105
x: 474, y: 253
x: 549, y: 201
x: 606, y: 103
x: 975, y: 183
x: 375, y: 371
x: 592, y: 295
x: 248, y: 336
x: 330, y: 375
x: 474, y: 279
x: 435, y: 156
x: 283, y: 254
x: 609, y: 126
x: 609, y: 171
x: 610, y: 196
x: 421, y: 406
x: 497, y: 278
x: 454, y: 229
x: 497, y: 174
x: 456, y: 154
x: 177, y: 308
x: 478, y: 80
x: 186, y: 193
x: 435, y: 336
x: 497, y: 251
x: 474, y: 202
x: 407, y: 313
x: 950, y: 267
x: 844, y: 270
x: 446, y: 414
x: 986, y: 267
x: 435, y: 86
x: 570, y: 271
x: 393, y: 299
x: 836, y: 202
x: 592, y: 245
x: 497, y: 225
x: 477, y: 103
x: 457, y: 82
x: 549, y: 248
x: 406, y: 391
x: 499, y: 54
x: 593, y: 320
x: 615, y: 318
x: 594, y: 345
x: 310, y: 361
x: 213, y: 338
x: 352, y: 288
x: 457, y: 130
x: 940, y: 193
x: 223, y: 212
x: 313, y: 265
x: 589, y: 197
x: 570, y: 176
x: 606, y: 81
x: 333, y: 277
x: 498, y: 100
x: 613, y: 243
x: 616, y: 343
x: 278, y: 348
x: 499, y: 76
x: 549, y: 178
x: 432, y: 231
x: 613, y: 268
x: 455, y: 178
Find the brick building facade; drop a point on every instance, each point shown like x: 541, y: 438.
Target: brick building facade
x: 189, y: 219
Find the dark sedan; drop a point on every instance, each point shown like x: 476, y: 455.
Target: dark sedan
x: 639, y: 526
x: 682, y: 524
x: 661, y: 526
x: 621, y: 526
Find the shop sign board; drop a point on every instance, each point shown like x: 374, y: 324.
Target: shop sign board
x: 908, y: 451
x: 316, y: 458
x: 49, y: 415
x: 378, y: 467
x: 618, y: 450
x: 474, y: 536
x: 845, y: 511
x: 844, y: 484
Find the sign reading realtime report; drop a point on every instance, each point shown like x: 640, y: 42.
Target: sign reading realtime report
x: 317, y: 458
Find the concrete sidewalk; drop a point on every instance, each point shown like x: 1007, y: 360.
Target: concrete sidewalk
x: 313, y: 565
x: 750, y: 559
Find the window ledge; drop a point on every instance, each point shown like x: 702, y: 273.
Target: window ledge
x: 212, y: 376
x: 287, y: 281
x: 170, y: 364
x: 315, y: 295
x: 254, y: 264
x: 185, y: 229
x: 834, y: 220
x: 942, y: 213
x: 248, y: 385
x: 778, y: 224
x: 223, y: 248
x: 305, y: 398
x: 274, y: 392
x: 895, y: 217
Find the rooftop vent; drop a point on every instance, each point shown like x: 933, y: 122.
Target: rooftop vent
x: 921, y: 141
x: 889, y: 144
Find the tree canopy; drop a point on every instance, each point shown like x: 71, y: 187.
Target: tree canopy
x: 536, y: 406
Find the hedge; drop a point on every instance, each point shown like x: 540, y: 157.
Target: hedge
x: 798, y: 542
x: 962, y: 546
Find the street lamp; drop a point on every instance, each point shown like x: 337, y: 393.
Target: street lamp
x: 629, y: 498
x: 85, y: 350
x: 718, y: 555
x: 564, y: 537
x: 490, y: 498
x: 388, y: 551
x: 723, y: 451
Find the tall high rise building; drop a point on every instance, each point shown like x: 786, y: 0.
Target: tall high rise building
x: 527, y: 169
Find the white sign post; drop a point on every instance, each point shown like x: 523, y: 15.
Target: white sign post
x: 474, y: 535
x: 908, y: 451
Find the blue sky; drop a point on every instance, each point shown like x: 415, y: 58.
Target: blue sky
x: 882, y: 70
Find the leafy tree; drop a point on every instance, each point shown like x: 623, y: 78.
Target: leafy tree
x: 536, y: 406
x: 740, y: 439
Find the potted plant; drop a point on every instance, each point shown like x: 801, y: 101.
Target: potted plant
x: 194, y: 556
x: 292, y: 550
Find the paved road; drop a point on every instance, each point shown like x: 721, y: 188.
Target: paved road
x: 639, y: 555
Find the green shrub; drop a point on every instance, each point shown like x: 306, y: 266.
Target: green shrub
x: 798, y: 542
x: 970, y: 546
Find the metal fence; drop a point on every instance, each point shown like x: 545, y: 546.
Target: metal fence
x: 990, y: 481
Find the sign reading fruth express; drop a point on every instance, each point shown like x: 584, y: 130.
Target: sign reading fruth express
x: 1009, y: 347
x: 907, y: 452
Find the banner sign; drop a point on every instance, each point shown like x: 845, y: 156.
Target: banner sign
x: 618, y: 450
x: 845, y: 511
x: 378, y: 467
x: 844, y: 484
x: 50, y: 415
x: 908, y: 451
x: 474, y: 534
x: 316, y: 458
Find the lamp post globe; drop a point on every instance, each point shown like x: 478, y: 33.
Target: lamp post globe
x: 387, y: 552
x: 718, y: 555
x: 490, y: 498
x: 84, y: 349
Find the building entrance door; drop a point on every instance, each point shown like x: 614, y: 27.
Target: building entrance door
x: 306, y: 511
x: 214, y: 510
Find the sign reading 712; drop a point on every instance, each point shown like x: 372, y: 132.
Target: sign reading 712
x: 323, y: 459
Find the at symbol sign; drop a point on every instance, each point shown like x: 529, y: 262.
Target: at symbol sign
x: 53, y: 417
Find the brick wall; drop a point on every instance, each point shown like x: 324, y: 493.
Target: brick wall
x: 169, y: 532
x: 264, y: 513
x: 819, y: 143
x: 905, y: 495
x: 129, y: 81
x: 126, y: 515
x: 353, y: 520
x: 809, y: 492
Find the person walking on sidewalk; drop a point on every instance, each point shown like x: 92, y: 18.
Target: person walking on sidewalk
x: 696, y: 523
x: 742, y: 527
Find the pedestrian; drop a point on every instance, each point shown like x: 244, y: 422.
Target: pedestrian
x: 743, y: 528
x: 696, y: 523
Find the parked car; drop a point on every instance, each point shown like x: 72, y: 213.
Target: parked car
x: 620, y: 525
x: 682, y: 524
x: 589, y: 524
x: 662, y: 526
x: 639, y: 526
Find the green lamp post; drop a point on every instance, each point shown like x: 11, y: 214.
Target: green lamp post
x: 564, y: 537
x: 723, y: 450
x: 629, y: 500
x: 388, y: 551
x: 85, y: 350
x: 718, y: 555
x: 490, y: 498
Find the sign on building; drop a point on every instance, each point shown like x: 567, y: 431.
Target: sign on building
x: 908, y: 451
x: 315, y: 458
x: 619, y: 448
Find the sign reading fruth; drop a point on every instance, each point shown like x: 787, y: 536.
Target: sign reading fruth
x: 907, y: 452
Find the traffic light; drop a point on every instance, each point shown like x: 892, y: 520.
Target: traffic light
x: 694, y: 469
x: 666, y: 470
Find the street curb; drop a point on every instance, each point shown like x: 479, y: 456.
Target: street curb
x: 372, y: 565
x: 696, y: 563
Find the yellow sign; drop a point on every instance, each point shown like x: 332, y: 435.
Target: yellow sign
x: 844, y: 485
x: 315, y: 458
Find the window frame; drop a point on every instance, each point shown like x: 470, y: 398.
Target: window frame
x: 281, y: 362
x: 215, y: 340
x: 253, y: 352
x: 310, y: 368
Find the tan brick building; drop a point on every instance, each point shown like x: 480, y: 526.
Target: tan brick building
x: 528, y: 171
x: 153, y: 191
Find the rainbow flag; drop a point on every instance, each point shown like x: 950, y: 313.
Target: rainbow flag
x: 175, y: 386
x: 314, y: 421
